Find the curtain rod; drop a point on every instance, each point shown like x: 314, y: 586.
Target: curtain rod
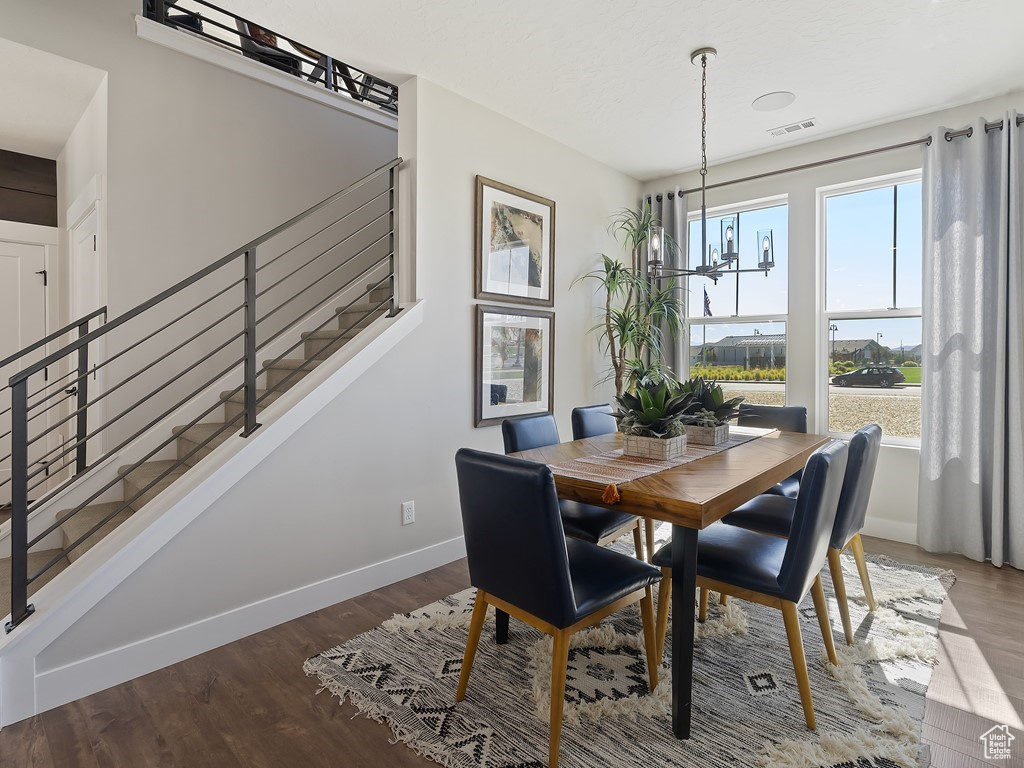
x: 949, y: 136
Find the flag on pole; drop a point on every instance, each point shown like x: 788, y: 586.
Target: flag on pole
x: 707, y: 304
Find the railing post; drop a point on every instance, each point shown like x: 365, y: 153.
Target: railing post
x: 393, y: 177
x: 82, y: 404
x: 20, y: 609
x: 159, y: 10
x: 250, y: 343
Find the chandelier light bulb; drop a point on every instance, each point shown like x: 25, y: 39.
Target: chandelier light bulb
x: 728, y: 234
x: 765, y: 246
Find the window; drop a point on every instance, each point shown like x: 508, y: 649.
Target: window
x: 872, y: 359
x: 737, y: 327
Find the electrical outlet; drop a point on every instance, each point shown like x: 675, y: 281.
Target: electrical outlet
x: 408, y: 512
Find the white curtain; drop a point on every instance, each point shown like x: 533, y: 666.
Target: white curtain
x: 670, y: 209
x: 972, y: 438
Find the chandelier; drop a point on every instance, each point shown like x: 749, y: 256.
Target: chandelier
x: 715, y: 261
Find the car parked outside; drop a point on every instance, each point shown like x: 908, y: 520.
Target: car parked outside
x: 872, y: 376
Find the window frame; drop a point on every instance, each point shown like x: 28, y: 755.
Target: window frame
x: 825, y: 317
x: 757, y: 204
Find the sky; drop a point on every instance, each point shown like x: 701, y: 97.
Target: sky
x: 859, y: 263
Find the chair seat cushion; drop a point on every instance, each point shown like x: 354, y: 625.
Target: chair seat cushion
x: 590, y: 523
x: 766, y: 513
x: 600, y: 576
x: 789, y: 487
x: 746, y: 559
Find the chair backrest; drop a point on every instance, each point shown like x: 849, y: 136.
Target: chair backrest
x: 593, y: 420
x: 515, y: 544
x: 792, y: 418
x: 813, y: 519
x: 525, y: 432
x: 860, y: 473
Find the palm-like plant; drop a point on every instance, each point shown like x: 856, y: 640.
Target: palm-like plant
x: 709, y: 408
x: 639, y: 315
x: 657, y: 409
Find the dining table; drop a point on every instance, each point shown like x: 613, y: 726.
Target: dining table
x: 691, y: 496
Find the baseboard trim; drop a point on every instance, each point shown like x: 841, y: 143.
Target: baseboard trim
x: 72, y: 681
x: 893, y: 530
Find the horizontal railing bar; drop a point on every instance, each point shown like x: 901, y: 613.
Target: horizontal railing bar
x: 56, y: 382
x: 323, y: 253
x: 347, y: 261
x: 204, y: 272
x: 324, y: 229
x: 38, y: 503
x: 125, y: 502
x: 52, y: 337
x: 50, y: 470
x: 295, y: 346
x: 134, y: 405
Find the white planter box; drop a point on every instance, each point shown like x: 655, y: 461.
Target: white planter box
x: 658, y: 448
x: 707, y: 435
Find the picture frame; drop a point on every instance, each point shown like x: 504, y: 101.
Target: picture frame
x: 515, y: 245
x: 514, y: 366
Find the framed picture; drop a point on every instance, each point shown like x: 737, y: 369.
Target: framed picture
x: 515, y: 245
x: 515, y: 356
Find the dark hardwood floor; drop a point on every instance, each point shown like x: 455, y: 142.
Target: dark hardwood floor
x: 248, y: 703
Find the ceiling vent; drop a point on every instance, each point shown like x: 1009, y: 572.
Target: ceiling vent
x: 800, y: 125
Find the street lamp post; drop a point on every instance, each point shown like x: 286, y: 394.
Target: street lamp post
x: 832, y: 329
x: 878, y: 351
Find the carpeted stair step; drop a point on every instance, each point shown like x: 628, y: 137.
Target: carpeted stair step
x: 72, y: 528
x: 280, y: 374
x: 36, y: 560
x: 319, y: 345
x: 212, y: 434
x: 234, y: 404
x: 377, y: 295
x: 143, y: 475
x: 359, y: 316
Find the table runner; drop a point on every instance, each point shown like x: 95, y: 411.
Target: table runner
x: 613, y: 468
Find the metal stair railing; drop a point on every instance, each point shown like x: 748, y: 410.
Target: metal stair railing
x: 333, y: 251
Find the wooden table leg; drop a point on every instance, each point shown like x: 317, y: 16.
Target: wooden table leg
x: 684, y: 577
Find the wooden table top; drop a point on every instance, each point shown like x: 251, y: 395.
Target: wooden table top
x: 695, y: 494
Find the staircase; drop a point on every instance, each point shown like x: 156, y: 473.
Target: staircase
x: 231, y: 415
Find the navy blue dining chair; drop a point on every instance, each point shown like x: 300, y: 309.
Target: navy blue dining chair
x: 775, y: 515
x: 791, y: 418
x: 521, y: 562
x: 770, y: 570
x: 593, y: 420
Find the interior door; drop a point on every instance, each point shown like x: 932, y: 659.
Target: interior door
x: 22, y: 322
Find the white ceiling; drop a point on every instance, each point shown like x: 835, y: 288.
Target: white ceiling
x: 43, y: 97
x: 613, y: 79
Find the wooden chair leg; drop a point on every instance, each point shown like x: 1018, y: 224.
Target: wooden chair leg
x: 476, y: 626
x: 664, y: 601
x: 821, y: 609
x: 702, y: 613
x: 796, y: 650
x: 723, y: 599
x: 857, y: 546
x: 835, y: 567
x: 638, y: 542
x: 649, y: 527
x: 559, y: 662
x: 650, y: 637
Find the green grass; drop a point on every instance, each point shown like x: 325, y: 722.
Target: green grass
x: 913, y: 375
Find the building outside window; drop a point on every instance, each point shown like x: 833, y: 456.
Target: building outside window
x: 872, y: 319
x: 737, y: 326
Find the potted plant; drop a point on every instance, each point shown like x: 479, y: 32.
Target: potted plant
x: 709, y: 412
x: 653, y: 420
x: 639, y: 315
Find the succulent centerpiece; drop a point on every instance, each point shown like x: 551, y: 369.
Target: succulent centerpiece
x: 653, y: 420
x: 709, y: 413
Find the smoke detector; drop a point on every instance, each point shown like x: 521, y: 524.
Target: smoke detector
x: 800, y: 125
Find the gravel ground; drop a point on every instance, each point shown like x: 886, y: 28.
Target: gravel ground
x: 899, y: 416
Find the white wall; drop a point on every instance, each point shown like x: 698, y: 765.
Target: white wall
x: 893, y: 509
x: 327, y: 501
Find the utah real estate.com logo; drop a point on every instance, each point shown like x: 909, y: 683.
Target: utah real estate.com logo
x: 998, y: 741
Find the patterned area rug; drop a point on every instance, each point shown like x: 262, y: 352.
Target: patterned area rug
x: 747, y: 707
